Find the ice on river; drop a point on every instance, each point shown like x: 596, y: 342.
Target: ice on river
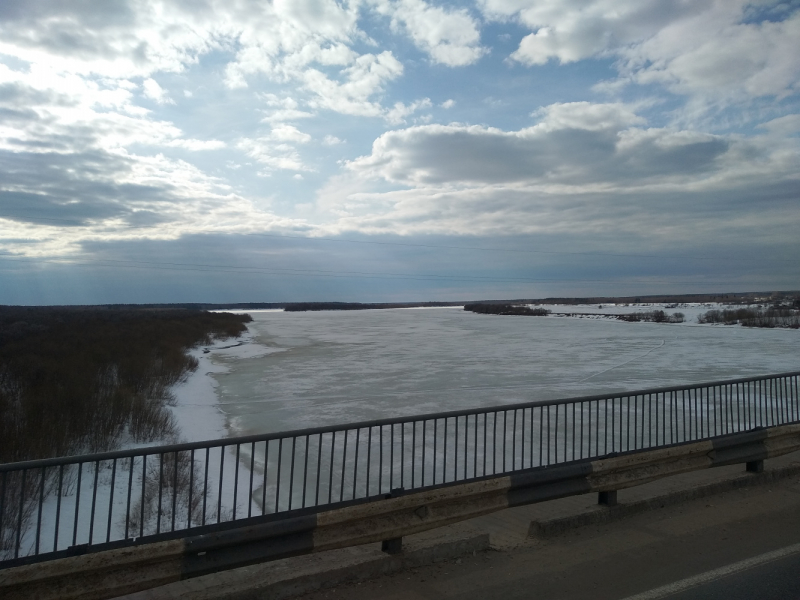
x: 306, y: 369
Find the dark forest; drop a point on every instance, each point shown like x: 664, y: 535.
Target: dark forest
x: 76, y: 380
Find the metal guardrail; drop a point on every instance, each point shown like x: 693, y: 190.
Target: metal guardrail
x: 65, y: 506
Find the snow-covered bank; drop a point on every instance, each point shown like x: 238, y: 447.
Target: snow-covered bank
x: 107, y: 500
x: 197, y: 409
x: 87, y: 502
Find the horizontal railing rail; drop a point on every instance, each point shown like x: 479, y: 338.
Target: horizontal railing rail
x: 64, y: 506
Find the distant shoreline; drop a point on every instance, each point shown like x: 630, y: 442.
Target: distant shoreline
x: 723, y: 298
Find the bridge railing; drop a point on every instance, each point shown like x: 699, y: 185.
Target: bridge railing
x: 64, y: 506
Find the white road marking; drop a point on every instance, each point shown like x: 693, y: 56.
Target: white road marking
x: 685, y: 584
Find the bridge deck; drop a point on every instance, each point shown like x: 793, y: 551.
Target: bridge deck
x: 505, y: 530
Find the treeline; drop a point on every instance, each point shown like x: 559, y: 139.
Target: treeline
x: 76, y: 380
x: 781, y: 316
x: 652, y: 316
x: 506, y: 309
x: 729, y: 298
x: 315, y: 306
x: 771, y: 297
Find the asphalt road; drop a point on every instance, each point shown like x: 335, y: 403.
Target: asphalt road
x: 766, y: 577
x: 634, y: 557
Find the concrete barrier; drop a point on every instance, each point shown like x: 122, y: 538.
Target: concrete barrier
x: 122, y: 571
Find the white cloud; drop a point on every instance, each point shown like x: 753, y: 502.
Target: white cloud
x: 100, y: 194
x: 448, y: 104
x: 155, y: 92
x: 283, y: 109
x: 577, y: 150
x: 400, y: 111
x: 71, y: 113
x: 289, y: 133
x: 331, y: 140
x: 449, y: 37
x: 309, y: 42
x: 273, y: 154
x: 716, y: 56
x: 588, y: 116
x: 70, y: 103
x: 712, y: 50
x: 576, y: 168
x: 361, y: 81
x: 668, y: 185
x: 574, y: 144
x: 286, y: 114
x: 66, y: 152
x: 786, y: 124
x: 571, y: 30
x: 119, y: 40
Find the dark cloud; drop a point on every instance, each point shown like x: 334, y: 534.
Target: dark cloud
x: 87, y: 11
x: 458, y: 154
x: 71, y: 172
x: 72, y: 28
x: 72, y: 189
x: 241, y: 268
x: 649, y: 159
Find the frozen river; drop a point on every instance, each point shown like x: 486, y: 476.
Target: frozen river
x: 298, y: 370
x: 306, y: 369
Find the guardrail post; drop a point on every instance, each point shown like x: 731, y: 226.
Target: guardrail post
x: 393, y: 545
x: 607, y: 498
x: 755, y: 466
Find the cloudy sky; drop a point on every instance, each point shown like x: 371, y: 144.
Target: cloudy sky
x: 243, y: 151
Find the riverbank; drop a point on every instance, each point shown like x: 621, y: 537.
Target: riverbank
x: 197, y: 410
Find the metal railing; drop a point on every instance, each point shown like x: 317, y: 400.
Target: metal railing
x: 63, y: 506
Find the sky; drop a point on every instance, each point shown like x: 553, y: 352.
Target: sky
x: 396, y: 150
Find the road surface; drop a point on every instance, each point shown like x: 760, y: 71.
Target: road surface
x: 675, y: 546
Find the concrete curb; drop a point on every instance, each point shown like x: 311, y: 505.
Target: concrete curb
x: 292, y: 577
x: 546, y: 528
x: 382, y: 565
x: 295, y: 576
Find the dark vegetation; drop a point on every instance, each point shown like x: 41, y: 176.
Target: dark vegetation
x: 506, y: 309
x: 196, y: 306
x: 75, y: 380
x: 315, y: 306
x: 770, y: 316
x: 289, y: 306
x: 653, y: 316
x: 726, y: 298
x: 742, y: 298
